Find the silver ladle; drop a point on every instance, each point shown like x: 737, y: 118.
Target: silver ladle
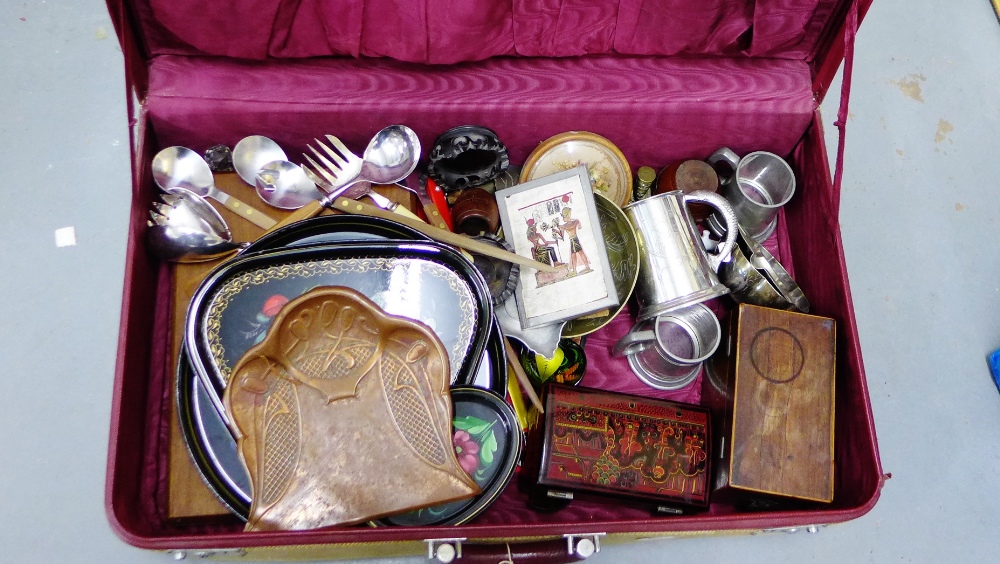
x: 180, y: 167
x: 183, y: 227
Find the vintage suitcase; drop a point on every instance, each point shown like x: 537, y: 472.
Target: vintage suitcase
x: 666, y: 81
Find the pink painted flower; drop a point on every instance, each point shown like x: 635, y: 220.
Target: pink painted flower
x: 273, y: 305
x: 467, y: 451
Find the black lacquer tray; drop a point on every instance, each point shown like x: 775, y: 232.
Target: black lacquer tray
x: 425, y: 281
x: 327, y: 229
x: 210, y: 442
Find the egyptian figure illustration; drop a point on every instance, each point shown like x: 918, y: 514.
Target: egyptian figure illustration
x: 542, y: 249
x: 577, y: 256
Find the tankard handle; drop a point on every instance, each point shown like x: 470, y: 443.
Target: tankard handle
x: 732, y: 224
x: 729, y: 161
x: 636, y: 340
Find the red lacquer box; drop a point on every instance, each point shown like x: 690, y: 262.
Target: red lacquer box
x: 620, y: 447
x: 665, y: 80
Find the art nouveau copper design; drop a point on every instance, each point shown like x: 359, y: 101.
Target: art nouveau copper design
x: 342, y: 414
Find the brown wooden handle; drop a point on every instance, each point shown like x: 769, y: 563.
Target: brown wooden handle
x: 434, y: 216
x: 461, y: 241
x: 312, y: 209
x: 249, y: 213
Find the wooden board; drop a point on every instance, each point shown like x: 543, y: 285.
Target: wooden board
x: 188, y: 495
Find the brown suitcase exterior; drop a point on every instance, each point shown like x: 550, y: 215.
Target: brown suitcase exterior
x: 157, y: 63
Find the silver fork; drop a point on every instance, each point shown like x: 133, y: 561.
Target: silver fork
x: 337, y: 174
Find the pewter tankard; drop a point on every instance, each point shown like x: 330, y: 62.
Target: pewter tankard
x: 759, y: 185
x: 674, y: 269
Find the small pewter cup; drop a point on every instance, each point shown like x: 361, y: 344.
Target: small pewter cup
x: 667, y: 352
x: 674, y: 269
x: 758, y: 186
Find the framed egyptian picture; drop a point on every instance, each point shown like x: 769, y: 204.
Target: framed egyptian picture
x: 554, y: 220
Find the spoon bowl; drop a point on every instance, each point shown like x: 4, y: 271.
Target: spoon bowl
x: 391, y: 155
x: 285, y: 185
x: 180, y: 167
x: 186, y: 228
x: 252, y: 153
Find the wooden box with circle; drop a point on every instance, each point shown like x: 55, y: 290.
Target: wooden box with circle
x: 772, y: 389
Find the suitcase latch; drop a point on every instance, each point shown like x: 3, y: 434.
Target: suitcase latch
x: 444, y: 550
x: 583, y: 545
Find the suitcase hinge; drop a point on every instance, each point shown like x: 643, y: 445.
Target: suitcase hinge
x: 806, y: 528
x: 208, y: 553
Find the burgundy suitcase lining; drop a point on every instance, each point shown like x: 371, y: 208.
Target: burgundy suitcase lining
x: 225, y: 109
x: 682, y: 107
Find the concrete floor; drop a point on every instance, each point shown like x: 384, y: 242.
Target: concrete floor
x: 919, y: 211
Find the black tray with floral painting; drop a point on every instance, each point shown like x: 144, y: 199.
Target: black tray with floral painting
x: 421, y: 280
x: 330, y: 229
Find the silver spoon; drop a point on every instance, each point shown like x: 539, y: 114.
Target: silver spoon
x: 285, y: 185
x: 183, y: 227
x: 180, y: 167
x: 390, y: 156
x: 252, y: 153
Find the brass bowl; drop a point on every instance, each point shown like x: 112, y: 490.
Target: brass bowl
x: 623, y: 254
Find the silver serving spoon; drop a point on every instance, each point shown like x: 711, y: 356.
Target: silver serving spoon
x: 386, y: 157
x: 390, y: 156
x: 180, y: 167
x: 183, y: 227
x: 252, y: 153
x: 286, y: 185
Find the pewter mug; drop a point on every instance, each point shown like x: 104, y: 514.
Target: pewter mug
x: 674, y: 269
x: 758, y: 185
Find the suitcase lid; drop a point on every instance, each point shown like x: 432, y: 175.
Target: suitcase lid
x: 442, y: 32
